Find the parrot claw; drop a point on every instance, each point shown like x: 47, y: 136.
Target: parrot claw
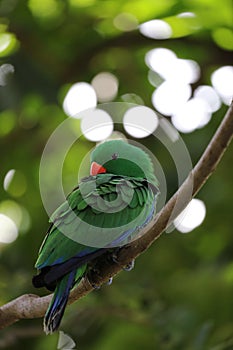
x: 89, y: 276
x: 129, y: 266
x: 95, y: 286
x: 114, y: 256
x: 109, y: 281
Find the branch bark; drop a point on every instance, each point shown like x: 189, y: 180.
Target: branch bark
x: 30, y: 306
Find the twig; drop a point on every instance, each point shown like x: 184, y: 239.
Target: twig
x: 30, y: 306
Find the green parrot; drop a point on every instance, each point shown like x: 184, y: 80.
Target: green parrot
x: 107, y: 209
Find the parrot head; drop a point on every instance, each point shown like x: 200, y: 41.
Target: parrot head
x: 121, y: 158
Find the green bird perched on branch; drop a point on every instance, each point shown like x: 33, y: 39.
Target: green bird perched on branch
x: 108, y: 209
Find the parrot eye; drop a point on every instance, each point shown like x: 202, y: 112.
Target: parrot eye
x: 115, y: 156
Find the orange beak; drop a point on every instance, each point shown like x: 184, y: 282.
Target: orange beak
x: 97, y: 169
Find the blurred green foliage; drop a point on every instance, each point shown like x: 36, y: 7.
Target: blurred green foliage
x: 179, y: 296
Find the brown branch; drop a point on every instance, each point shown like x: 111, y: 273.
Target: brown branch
x: 32, y: 306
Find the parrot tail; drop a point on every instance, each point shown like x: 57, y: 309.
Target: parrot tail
x: 57, y: 306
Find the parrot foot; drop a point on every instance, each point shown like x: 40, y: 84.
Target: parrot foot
x: 127, y: 267
x: 96, y: 286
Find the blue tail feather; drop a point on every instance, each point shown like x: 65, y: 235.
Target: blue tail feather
x: 57, y: 306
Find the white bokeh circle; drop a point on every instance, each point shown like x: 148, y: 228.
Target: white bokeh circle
x: 9, y: 230
x: 106, y: 86
x: 209, y: 95
x: 160, y: 60
x: 156, y: 29
x: 222, y: 81
x: 79, y: 97
x: 140, y: 121
x: 96, y: 125
x: 191, y: 217
x: 193, y: 114
x: 170, y: 95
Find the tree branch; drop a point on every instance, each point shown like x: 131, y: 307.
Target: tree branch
x: 30, y: 306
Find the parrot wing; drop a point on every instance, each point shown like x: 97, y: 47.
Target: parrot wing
x: 102, y: 212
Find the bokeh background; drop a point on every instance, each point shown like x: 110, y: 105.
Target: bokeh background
x: 58, y: 58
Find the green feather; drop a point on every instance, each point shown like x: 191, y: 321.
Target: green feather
x: 82, y: 205
x: 141, y: 199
